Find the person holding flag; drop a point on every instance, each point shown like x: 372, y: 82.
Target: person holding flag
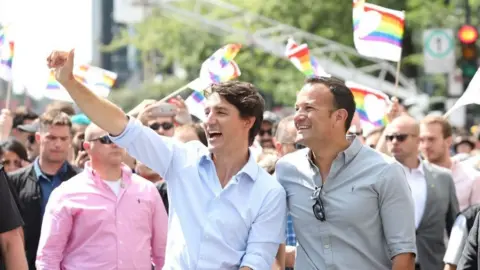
x: 225, y: 211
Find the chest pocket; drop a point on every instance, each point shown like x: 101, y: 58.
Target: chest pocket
x: 352, y: 204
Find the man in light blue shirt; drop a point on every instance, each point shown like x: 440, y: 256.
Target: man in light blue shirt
x: 225, y: 211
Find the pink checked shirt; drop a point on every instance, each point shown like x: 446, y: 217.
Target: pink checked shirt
x: 87, y: 227
x: 467, y: 184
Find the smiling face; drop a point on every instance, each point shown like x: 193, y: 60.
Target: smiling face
x: 224, y: 127
x: 316, y: 118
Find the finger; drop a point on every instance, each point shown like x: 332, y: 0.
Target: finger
x: 69, y: 59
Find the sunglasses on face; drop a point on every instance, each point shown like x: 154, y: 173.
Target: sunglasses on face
x: 318, y: 209
x: 103, y: 140
x: 164, y: 125
x: 31, y: 138
x: 263, y: 132
x: 398, y: 137
x: 358, y: 134
x: 17, y: 163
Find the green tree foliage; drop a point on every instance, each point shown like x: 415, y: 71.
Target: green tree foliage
x: 190, y: 43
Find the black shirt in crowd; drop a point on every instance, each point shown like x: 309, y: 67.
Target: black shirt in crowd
x: 10, y: 217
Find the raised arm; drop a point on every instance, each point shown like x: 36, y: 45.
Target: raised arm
x: 102, y: 112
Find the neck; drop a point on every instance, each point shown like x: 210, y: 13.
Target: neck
x: 411, y: 162
x: 107, y: 172
x: 445, y: 162
x: 49, y: 167
x: 325, y: 154
x: 229, y: 164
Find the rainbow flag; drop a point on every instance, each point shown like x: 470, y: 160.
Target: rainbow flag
x: 7, y: 51
x: 226, y: 54
x: 371, y: 104
x: 378, y: 31
x: 7, y: 55
x: 300, y: 57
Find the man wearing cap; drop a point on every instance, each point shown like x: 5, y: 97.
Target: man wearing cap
x: 31, y: 145
x: 265, y: 136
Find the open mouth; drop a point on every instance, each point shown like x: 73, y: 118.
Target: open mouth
x: 214, y: 134
x: 302, y: 127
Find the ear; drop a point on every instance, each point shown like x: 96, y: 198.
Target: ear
x: 38, y: 136
x: 277, y: 145
x: 249, y: 122
x: 86, y: 146
x: 449, y: 141
x: 341, y: 116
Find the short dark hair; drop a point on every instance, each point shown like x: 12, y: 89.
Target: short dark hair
x: 61, y: 106
x: 342, y: 96
x: 246, y: 98
x: 54, y: 118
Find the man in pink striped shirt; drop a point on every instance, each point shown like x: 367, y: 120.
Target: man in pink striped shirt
x: 103, y: 218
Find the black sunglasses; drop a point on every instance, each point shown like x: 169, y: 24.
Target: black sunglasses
x: 399, y: 137
x: 31, y: 138
x: 263, y: 132
x: 164, y: 125
x: 318, y: 209
x: 103, y: 140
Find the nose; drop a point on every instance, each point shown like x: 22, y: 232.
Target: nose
x: 211, y: 119
x: 299, y: 116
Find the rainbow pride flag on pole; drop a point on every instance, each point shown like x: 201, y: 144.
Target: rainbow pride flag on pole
x: 301, y: 58
x: 7, y: 52
x: 371, y: 104
x: 378, y: 31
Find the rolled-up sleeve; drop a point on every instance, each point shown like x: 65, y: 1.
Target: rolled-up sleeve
x: 397, y: 210
x: 159, y: 230
x: 159, y: 153
x: 267, y: 232
x: 56, y: 228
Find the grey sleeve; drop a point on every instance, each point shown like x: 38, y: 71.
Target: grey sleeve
x: 453, y: 208
x: 457, y: 240
x: 397, y: 211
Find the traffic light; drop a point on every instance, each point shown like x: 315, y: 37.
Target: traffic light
x: 468, y: 36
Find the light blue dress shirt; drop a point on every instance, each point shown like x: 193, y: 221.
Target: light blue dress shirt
x: 210, y: 227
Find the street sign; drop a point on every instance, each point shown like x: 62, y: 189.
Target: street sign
x: 439, y: 51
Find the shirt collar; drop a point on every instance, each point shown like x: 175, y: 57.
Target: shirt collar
x: 39, y: 173
x: 418, y: 169
x: 346, y: 156
x: 251, y: 167
x: 126, y: 173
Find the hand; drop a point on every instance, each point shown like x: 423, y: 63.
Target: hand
x: 183, y: 115
x: 6, y: 122
x: 62, y: 63
x: 81, y: 158
x: 393, y: 110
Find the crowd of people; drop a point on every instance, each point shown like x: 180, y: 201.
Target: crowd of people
x: 246, y: 189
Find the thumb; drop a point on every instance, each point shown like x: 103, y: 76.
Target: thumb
x: 70, y: 58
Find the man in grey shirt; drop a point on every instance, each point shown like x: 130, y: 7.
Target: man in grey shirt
x: 351, y: 206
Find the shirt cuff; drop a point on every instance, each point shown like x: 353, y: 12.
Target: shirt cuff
x: 254, y: 261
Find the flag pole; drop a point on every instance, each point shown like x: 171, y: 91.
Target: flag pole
x: 397, y: 74
x: 176, y: 92
x: 9, y: 95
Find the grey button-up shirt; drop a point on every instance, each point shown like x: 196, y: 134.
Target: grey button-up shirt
x: 368, y: 208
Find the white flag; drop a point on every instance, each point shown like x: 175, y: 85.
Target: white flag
x: 470, y: 96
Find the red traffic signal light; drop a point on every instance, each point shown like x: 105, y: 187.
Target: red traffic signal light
x: 467, y: 34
